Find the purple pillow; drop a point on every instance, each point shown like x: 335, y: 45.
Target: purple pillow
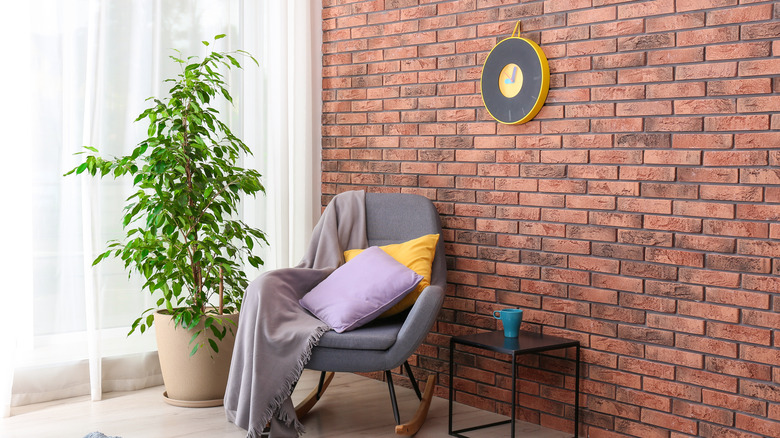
x: 360, y: 290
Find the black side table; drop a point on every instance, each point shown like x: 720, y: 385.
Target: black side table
x: 525, y: 343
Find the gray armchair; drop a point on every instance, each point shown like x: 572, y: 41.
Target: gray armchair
x: 388, y: 343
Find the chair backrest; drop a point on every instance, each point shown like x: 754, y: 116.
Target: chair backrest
x: 398, y: 217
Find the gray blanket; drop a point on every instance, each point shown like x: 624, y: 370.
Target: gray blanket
x: 276, y: 335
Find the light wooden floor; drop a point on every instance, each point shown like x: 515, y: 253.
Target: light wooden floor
x: 353, y: 406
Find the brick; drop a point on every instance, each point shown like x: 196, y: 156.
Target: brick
x: 645, y: 108
x: 738, y: 368
x: 706, y: 71
x: 738, y: 263
x: 674, y: 257
x: 758, y: 104
x: 735, y: 228
x: 645, y: 75
x: 707, y: 36
x: 703, y: 209
x: 674, y: 290
x: 643, y: 334
x: 762, y: 319
x: 706, y: 345
x: 676, y: 56
x: 733, y: 402
x: 686, y: 225
x: 591, y: 202
x: 759, y: 176
x: 710, y: 141
x: 758, y: 67
x: 673, y: 157
x: 739, y: 333
x: 656, y: 190
x: 731, y: 193
x: 739, y: 87
x: 674, y: 124
x: 676, y: 323
x: 702, y: 412
x: 708, y: 277
x: 739, y: 15
x: 655, y: 7
x: 646, y: 238
x: 636, y: 205
x: 758, y: 212
x: 760, y: 30
x: 592, y: 264
x: 757, y: 425
x: 613, y: 313
x: 648, y: 270
x: 675, y: 22
x: 590, y: 110
x: 709, y: 311
x: 615, y: 219
x: 562, y: 215
x: 739, y: 298
x: 647, y: 303
x: 738, y: 51
x: 614, y: 376
x: 643, y: 399
x: 614, y: 408
x: 756, y: 140
x: 591, y: 47
x: 704, y: 106
x: 617, y: 125
x: 617, y: 251
x: 593, y: 172
x: 616, y: 28
x: 673, y: 389
x: 760, y: 390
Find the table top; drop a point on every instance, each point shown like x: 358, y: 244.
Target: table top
x: 525, y: 342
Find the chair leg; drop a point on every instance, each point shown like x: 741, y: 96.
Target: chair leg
x: 413, y: 380
x: 393, y: 400
x: 305, y: 406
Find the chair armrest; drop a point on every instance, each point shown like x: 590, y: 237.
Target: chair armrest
x: 418, y: 323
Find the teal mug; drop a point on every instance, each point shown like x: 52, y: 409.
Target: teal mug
x: 511, y: 318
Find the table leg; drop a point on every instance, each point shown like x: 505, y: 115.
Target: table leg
x: 452, y: 372
x: 577, y: 395
x: 514, y: 395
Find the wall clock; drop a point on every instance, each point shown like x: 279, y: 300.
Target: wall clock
x: 515, y: 79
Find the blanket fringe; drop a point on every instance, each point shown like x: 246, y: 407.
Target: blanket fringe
x: 291, y: 379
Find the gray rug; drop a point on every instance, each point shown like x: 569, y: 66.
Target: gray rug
x: 99, y: 435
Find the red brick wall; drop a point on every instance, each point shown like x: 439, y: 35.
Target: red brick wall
x: 637, y: 212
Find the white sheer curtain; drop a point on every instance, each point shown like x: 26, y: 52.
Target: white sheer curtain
x: 82, y: 70
x: 284, y: 95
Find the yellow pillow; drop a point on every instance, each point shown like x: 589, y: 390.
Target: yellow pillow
x: 417, y: 255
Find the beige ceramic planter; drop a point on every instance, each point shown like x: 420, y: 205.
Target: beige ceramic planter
x: 198, y: 380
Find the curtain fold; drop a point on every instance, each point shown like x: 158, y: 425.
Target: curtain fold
x: 95, y: 62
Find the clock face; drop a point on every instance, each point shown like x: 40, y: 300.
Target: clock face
x: 515, y: 80
x: 510, y: 81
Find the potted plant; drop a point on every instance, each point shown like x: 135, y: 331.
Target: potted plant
x: 182, y: 234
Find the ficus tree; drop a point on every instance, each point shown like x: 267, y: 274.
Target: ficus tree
x: 182, y: 232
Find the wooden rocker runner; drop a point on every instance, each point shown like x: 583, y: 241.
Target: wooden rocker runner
x: 387, y: 343
x: 406, y: 429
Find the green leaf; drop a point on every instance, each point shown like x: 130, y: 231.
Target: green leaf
x: 220, y: 36
x: 214, y: 345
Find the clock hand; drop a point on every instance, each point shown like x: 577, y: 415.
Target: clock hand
x: 514, y: 72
